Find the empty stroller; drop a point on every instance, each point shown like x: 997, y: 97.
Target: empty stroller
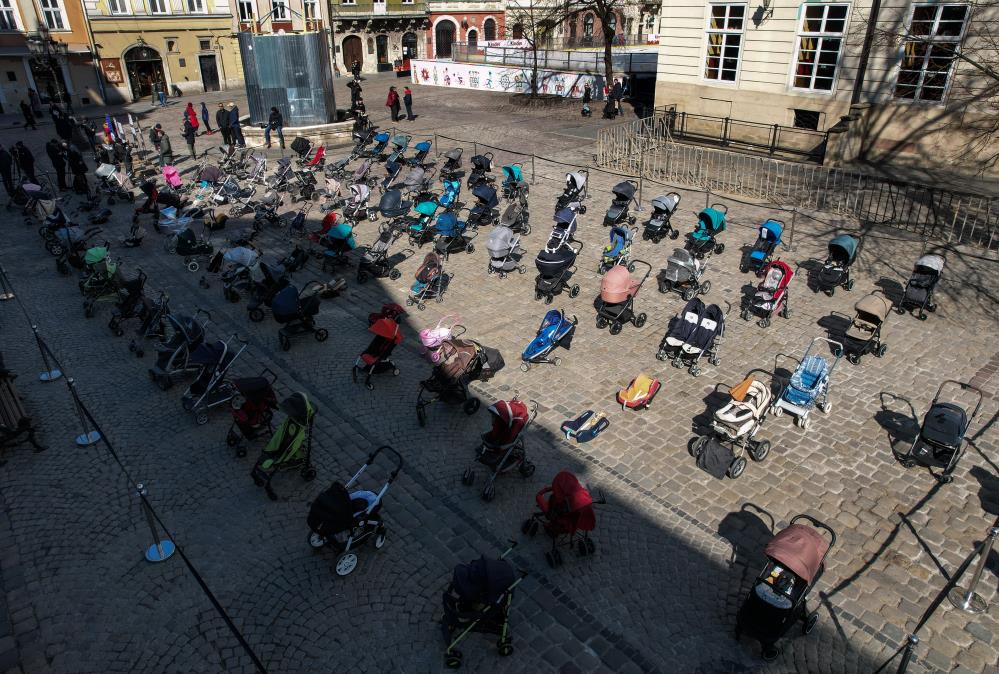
x: 564, y: 229
x: 253, y: 411
x: 694, y: 333
x: 422, y: 150
x: 762, y: 251
x: 296, y: 311
x: 616, y: 303
x: 556, y: 330
x: 103, y: 282
x: 375, y: 260
x: 393, y: 207
x: 377, y: 357
x: 574, y: 194
x: 399, y: 145
x: 392, y: 171
x: 864, y: 334
x: 182, y: 335
x: 345, y: 520
x: 193, y: 248
x: 566, y: 513
x: 451, y: 190
x: 478, y: 599
x: 658, y: 227
x: 835, y: 271
x: 451, y: 170
x: 514, y: 186
x: 502, y: 448
x: 285, y: 449
x: 556, y: 267
x: 682, y: 274
x: 618, y: 251
x: 810, y: 384
x: 452, y: 235
x: 431, y: 282
x: 505, y: 252
x: 619, y: 212
x: 795, y: 562
x: 940, y: 443
x: 919, y: 288
x: 433, y: 338
x: 484, y: 211
x: 211, y: 387
x: 482, y: 164
x: 337, y: 241
x: 356, y: 207
x: 381, y: 142
x: 710, y: 223
x: 269, y: 279
x: 516, y: 217
x: 771, y: 296
x: 734, y: 427
x: 461, y: 361
x: 418, y: 183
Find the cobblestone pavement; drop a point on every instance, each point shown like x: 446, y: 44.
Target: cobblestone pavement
x: 676, y: 549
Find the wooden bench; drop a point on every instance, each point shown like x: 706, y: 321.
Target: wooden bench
x: 14, y: 420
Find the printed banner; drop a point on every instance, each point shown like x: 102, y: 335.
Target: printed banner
x: 502, y: 79
x: 523, y: 44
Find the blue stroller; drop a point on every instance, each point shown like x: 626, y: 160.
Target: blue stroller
x: 422, y: 150
x: 763, y: 250
x: 338, y: 242
x: 710, y: 223
x: 835, y: 271
x: 431, y: 282
x: 618, y: 251
x: 809, y: 385
x: 448, y: 200
x: 421, y: 229
x: 452, y: 235
x: 381, y: 142
x: 513, y: 181
x: 400, y: 142
x: 484, y: 211
x: 556, y: 330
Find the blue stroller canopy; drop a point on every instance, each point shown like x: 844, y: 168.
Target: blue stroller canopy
x: 427, y: 208
x: 423, y: 146
x: 513, y: 173
x: 382, y: 137
x: 486, y: 194
x: 449, y: 225
x: 619, y: 239
x: 554, y: 327
x: 844, y: 247
x: 711, y: 220
x: 565, y: 216
x: 343, y: 232
x: 771, y: 230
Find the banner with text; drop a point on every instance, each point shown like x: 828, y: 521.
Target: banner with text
x: 501, y: 79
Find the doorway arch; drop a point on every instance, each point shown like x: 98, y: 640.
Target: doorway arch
x: 353, y: 50
x: 444, y: 34
x: 145, y: 68
x: 472, y: 37
x: 381, y: 52
x: 409, y: 45
x: 489, y: 28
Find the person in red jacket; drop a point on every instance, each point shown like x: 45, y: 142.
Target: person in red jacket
x: 192, y: 117
x: 392, y: 103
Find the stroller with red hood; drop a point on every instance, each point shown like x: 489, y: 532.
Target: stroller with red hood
x: 616, y: 303
x: 795, y: 561
x: 566, y: 513
x: 771, y: 295
x: 252, y: 411
x: 377, y: 357
x: 502, y: 448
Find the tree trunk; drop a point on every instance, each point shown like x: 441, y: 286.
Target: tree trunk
x: 608, y: 52
x: 534, y: 70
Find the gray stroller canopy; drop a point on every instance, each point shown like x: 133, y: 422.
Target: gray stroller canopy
x: 241, y: 256
x: 666, y: 202
x: 414, y: 178
x: 934, y: 262
x: 681, y: 266
x: 501, y: 242
x: 575, y: 180
x: 359, y: 194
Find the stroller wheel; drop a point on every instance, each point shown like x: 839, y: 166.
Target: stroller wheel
x: 524, y: 367
x: 640, y: 320
x: 880, y: 353
x: 601, y: 322
x: 468, y: 477
x: 574, y: 291
x: 705, y: 288
x: 421, y: 306
x: 809, y: 623
x: 192, y: 266
x: 736, y: 468
x: 505, y: 648
x: 490, y: 270
x: 770, y: 653
x: 396, y: 372
x: 825, y: 406
x: 321, y: 334
x: 719, y: 249
x: 526, y: 469
x: 285, y: 343
x: 471, y: 406
x: 201, y: 417
x: 802, y: 423
x: 489, y: 493
x: 557, y: 361
x: 309, y: 474
x: 256, y: 315
x: 696, y: 445
x: 379, y: 541
x: 522, y: 269
x: 368, y: 385
x: 631, y: 267
x: 688, y: 294
x: 409, y: 301
x: 346, y: 563
x: 785, y: 312
x: 615, y: 328
x: 395, y: 274
x: 849, y: 284
x: 743, y: 268
x: 764, y: 322
x: 582, y: 210
x: 760, y: 451
x: 453, y: 660
x: 548, y: 299
x: 315, y: 540
x: 470, y: 248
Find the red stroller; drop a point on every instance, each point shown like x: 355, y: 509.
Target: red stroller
x: 771, y: 295
x: 502, y: 448
x: 567, y: 516
x: 252, y: 418
x: 376, y: 358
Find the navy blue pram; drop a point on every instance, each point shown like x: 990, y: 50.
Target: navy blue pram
x: 484, y: 212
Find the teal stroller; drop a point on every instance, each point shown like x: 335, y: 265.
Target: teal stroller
x: 710, y: 223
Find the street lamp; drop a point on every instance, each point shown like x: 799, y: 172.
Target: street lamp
x: 46, y: 53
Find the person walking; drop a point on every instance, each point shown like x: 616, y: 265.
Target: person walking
x: 355, y: 69
x: 275, y: 122
x: 35, y: 101
x: 25, y: 161
x: 7, y: 170
x: 407, y: 98
x: 161, y: 92
x: 235, y: 130
x: 616, y: 94
x: 63, y: 126
x: 587, y: 99
x: 53, y: 149
x: 79, y: 169
x: 392, y: 103
x: 205, y: 117
x: 165, y: 148
x: 222, y: 122
x: 190, y: 134
x: 192, y: 116
x: 29, y: 117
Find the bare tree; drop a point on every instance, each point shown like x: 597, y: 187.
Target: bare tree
x: 608, y: 12
x: 537, y: 22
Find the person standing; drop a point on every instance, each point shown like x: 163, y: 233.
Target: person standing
x: 29, y: 117
x: 54, y: 150
x: 161, y: 92
x: 205, y: 117
x: 392, y: 103
x: 222, y: 122
x: 78, y: 167
x: 192, y: 116
x: 123, y: 155
x: 407, y: 98
x: 7, y: 170
x: 35, y: 101
x: 616, y: 94
x: 63, y: 126
x: 235, y: 130
x: 165, y: 148
x: 25, y: 161
x: 190, y: 134
x: 154, y: 138
x: 355, y: 69
x: 275, y: 122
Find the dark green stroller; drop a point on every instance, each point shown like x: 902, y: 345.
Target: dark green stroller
x: 290, y: 448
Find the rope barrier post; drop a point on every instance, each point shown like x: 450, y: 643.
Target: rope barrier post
x: 6, y: 292
x: 89, y: 436
x: 968, y: 600
x: 437, y: 147
x: 50, y: 373
x: 160, y: 550
x: 910, y: 643
x: 534, y: 171
x: 707, y: 197
x: 790, y: 238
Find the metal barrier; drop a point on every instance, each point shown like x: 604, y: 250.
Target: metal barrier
x: 591, y: 61
x: 728, y: 132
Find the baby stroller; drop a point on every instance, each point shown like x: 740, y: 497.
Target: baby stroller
x: 268, y: 278
x: 574, y: 194
x: 478, y: 599
x: 864, y: 334
x: 103, y: 282
x: 448, y: 200
x: 710, y: 223
x: 360, y: 175
x: 505, y: 252
x: 556, y: 330
x: 566, y: 513
x: 619, y: 213
x: 461, y: 361
x: 433, y: 338
x: 392, y: 171
x: 919, y: 288
x: 771, y: 295
x: 940, y: 443
x: 513, y: 181
x: 112, y: 182
x: 193, y: 248
x: 618, y: 251
x: 516, y: 217
x: 399, y: 143
x: 253, y: 411
x: 132, y: 303
x: 375, y: 261
x: 338, y: 241
x: 211, y: 386
x: 452, y: 235
x: 285, y: 450
x: 265, y: 210
x: 393, y: 207
x: 422, y: 150
x: 431, y: 282
x: 556, y: 267
x: 238, y: 277
x: 418, y: 183
x: 795, y: 562
x: 502, y: 449
x: 563, y: 230
x: 296, y: 312
x: 835, y: 271
x: 734, y: 427
x: 694, y: 333
x: 345, y: 520
x: 762, y: 251
x: 356, y: 207
x: 484, y: 211
x: 183, y: 334
x: 381, y: 142
x: 451, y: 170
x: 482, y: 164
x: 301, y: 146
x: 658, y: 226
x: 377, y: 357
x: 683, y: 274
x: 810, y: 384
x: 616, y: 303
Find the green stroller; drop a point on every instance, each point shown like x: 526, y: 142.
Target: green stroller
x: 290, y: 448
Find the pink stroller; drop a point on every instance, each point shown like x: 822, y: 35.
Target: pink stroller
x: 172, y: 177
x: 432, y: 338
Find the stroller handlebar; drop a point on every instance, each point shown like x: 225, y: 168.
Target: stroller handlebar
x: 817, y: 524
x: 396, y: 456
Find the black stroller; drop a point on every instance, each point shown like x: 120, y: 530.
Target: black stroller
x: 478, y: 599
x: 940, y: 442
x: 658, y: 227
x: 835, y: 271
x: 574, y: 194
x: 919, y: 288
x: 183, y: 334
x: 296, y: 311
x: 619, y: 211
x: 267, y: 281
x: 795, y: 561
x: 485, y: 211
x: 461, y: 361
x: 482, y: 165
x: 556, y: 267
x: 132, y: 304
x: 375, y: 261
x: 451, y: 170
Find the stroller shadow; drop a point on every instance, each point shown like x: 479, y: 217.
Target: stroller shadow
x: 746, y: 300
x: 701, y: 423
x: 902, y: 427
x: 835, y: 325
x: 809, y: 267
x: 892, y: 289
x: 748, y: 533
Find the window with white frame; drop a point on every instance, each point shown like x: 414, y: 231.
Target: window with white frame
x: 929, y: 51
x: 348, y: 2
x: 54, y: 17
x: 245, y: 8
x: 159, y: 6
x: 310, y: 10
x: 118, y: 6
x: 279, y: 11
x: 820, y: 41
x: 195, y: 6
x: 724, y: 34
x: 8, y: 16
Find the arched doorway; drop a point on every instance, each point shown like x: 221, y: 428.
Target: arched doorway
x: 381, y: 52
x: 489, y: 29
x: 409, y: 46
x: 145, y: 68
x: 353, y: 50
x: 444, y: 38
x: 473, y: 39
x: 518, y: 31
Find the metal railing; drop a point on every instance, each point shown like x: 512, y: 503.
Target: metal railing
x: 554, y: 59
x: 647, y: 148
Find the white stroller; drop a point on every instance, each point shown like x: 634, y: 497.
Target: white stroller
x: 332, y: 195
x: 809, y: 385
x: 682, y: 274
x: 356, y: 206
x: 504, y: 252
x: 574, y: 194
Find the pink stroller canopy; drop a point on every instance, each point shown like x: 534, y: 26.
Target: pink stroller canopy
x: 800, y: 548
x: 617, y: 285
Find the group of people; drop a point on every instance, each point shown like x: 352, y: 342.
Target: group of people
x: 392, y: 103
x: 18, y: 157
x: 226, y: 119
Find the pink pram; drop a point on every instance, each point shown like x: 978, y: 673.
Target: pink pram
x: 172, y: 177
x: 432, y: 338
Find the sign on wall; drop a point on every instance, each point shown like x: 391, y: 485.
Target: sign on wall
x: 523, y: 44
x: 501, y: 79
x: 112, y: 71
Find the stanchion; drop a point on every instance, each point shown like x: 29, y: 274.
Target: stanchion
x: 160, y: 550
x: 6, y: 292
x: 89, y: 436
x: 534, y: 172
x: 968, y: 600
x: 794, y: 219
x: 910, y: 643
x: 51, y: 373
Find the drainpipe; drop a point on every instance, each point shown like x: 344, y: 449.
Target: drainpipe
x: 865, y: 54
